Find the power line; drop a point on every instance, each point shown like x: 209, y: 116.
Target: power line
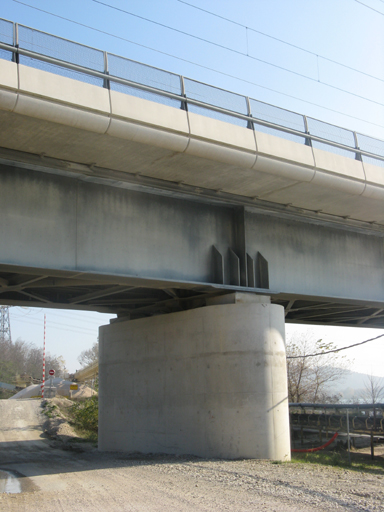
x: 238, y: 52
x: 197, y: 64
x: 28, y: 311
x: 73, y: 315
x: 336, y: 349
x: 368, y: 7
x: 59, y: 325
x: 20, y: 313
x: 282, y: 40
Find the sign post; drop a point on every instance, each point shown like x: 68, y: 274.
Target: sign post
x: 43, y: 382
x: 51, y: 374
x: 72, y: 387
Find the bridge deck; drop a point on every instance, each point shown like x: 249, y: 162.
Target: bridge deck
x: 74, y: 122
x: 254, y: 208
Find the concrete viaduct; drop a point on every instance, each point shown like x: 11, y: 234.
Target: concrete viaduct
x: 201, y: 227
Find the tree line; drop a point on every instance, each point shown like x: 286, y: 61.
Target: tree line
x: 310, y: 376
x: 21, y: 358
x: 313, y: 366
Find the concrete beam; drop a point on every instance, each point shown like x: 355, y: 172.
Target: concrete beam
x: 64, y: 224
x: 40, y: 110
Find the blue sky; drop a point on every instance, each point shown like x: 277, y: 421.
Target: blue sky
x: 333, y: 52
x: 344, y: 31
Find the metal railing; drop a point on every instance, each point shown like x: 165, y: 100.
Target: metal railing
x: 38, y: 49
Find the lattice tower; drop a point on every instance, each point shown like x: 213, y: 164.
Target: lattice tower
x: 5, y: 325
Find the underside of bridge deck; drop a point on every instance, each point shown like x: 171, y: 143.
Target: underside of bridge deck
x: 137, y: 298
x: 82, y: 242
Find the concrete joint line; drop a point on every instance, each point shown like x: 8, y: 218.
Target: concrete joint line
x: 18, y: 88
x: 342, y: 176
x: 256, y: 146
x: 147, y: 125
x: 284, y: 160
x: 314, y: 165
x: 63, y: 103
x: 189, y: 132
x: 365, y: 179
x: 222, y: 144
x: 110, y: 111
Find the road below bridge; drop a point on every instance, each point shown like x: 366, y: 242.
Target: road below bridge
x: 56, y: 479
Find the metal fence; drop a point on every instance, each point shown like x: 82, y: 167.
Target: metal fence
x: 38, y: 49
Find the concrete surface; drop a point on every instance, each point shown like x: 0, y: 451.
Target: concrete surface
x: 60, y: 223
x: 210, y: 382
x: 66, y: 119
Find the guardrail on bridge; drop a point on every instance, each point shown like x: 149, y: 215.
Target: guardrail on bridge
x: 41, y: 50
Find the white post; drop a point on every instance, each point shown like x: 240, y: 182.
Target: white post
x: 43, y: 383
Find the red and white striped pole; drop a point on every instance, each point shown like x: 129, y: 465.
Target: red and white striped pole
x: 43, y: 383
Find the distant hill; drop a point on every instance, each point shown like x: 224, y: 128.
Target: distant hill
x: 351, y: 385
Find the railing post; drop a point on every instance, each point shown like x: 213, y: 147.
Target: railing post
x: 372, y: 445
x: 308, y: 141
x: 250, y: 124
x: 184, y: 104
x: 106, y: 82
x: 357, y: 154
x: 15, y: 56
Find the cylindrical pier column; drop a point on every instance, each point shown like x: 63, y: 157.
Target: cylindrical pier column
x: 210, y: 381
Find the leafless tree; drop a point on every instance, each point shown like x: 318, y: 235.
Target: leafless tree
x: 309, y: 376
x: 373, y: 392
x: 22, y: 358
x: 89, y: 356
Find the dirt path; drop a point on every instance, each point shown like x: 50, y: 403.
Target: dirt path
x: 20, y: 420
x: 56, y: 479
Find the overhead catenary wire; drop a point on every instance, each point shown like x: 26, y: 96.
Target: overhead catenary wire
x: 282, y: 40
x: 60, y: 314
x: 238, y: 52
x: 81, y: 330
x: 209, y: 68
x: 369, y: 7
x: 335, y: 350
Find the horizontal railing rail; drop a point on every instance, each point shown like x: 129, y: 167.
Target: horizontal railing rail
x: 16, y: 50
x: 311, y: 405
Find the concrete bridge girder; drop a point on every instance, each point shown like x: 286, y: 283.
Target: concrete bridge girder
x: 122, y: 132
x: 61, y: 223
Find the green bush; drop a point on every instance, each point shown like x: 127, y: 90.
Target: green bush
x: 86, y: 416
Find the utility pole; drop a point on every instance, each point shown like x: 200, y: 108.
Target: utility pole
x: 5, y: 325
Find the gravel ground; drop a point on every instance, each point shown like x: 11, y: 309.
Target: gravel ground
x: 68, y: 480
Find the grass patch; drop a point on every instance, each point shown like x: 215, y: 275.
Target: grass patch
x: 49, y: 409
x: 359, y: 462
x: 85, y: 418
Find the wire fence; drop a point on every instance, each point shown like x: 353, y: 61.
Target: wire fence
x: 57, y: 55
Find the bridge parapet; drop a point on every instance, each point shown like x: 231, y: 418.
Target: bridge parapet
x: 38, y: 49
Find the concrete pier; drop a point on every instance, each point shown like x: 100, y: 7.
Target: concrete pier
x: 209, y: 382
